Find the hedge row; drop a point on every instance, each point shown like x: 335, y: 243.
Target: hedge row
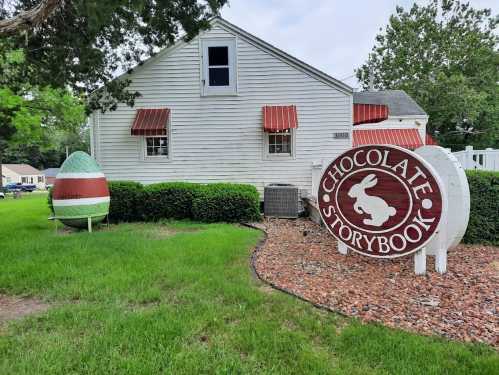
x: 483, y: 226
x: 131, y: 201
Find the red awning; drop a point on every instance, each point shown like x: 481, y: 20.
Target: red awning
x: 150, y: 122
x: 430, y: 141
x: 369, y: 113
x: 408, y: 138
x: 277, y: 118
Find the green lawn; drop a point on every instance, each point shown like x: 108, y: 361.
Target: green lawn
x: 180, y: 298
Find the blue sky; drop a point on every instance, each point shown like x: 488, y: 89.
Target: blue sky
x: 332, y: 35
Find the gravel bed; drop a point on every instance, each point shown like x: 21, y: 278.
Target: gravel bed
x: 300, y: 257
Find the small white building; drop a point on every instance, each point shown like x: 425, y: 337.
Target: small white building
x: 23, y: 174
x: 389, y: 117
x: 225, y: 107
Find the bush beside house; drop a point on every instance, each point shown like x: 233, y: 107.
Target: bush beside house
x: 131, y: 201
x: 483, y: 226
x: 226, y: 202
x: 126, y: 201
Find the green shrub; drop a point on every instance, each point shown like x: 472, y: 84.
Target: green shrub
x: 483, y: 226
x: 126, y: 201
x: 169, y: 200
x: 130, y: 201
x: 226, y: 202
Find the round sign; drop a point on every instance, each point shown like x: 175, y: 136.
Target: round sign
x: 456, y: 185
x: 381, y: 201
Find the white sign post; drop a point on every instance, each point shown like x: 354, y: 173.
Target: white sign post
x: 456, y: 216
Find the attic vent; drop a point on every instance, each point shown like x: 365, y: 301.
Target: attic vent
x: 344, y: 135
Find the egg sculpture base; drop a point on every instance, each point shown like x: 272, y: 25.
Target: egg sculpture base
x: 80, y: 192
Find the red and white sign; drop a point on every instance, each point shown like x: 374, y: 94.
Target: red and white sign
x: 381, y: 201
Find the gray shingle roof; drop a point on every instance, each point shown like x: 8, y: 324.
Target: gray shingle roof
x: 22, y: 169
x: 50, y: 172
x: 398, y: 102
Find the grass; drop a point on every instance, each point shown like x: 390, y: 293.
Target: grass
x: 180, y: 298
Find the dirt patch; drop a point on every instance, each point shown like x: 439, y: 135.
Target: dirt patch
x: 300, y: 257
x: 157, y: 231
x: 12, y: 307
x: 162, y: 231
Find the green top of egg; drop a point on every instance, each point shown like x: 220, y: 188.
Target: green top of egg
x: 79, y: 162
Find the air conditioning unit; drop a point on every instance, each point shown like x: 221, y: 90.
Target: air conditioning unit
x: 281, y: 200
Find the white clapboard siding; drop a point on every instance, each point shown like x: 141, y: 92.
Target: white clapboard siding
x: 220, y: 138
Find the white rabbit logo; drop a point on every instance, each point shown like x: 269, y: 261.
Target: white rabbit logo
x: 379, y: 210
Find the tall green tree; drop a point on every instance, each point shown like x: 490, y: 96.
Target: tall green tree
x: 445, y: 55
x: 82, y: 43
x: 28, y: 113
x: 49, y: 150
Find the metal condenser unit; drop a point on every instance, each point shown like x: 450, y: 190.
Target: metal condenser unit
x: 281, y: 200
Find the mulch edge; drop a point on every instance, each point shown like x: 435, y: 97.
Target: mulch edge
x: 255, y: 273
x: 259, y: 277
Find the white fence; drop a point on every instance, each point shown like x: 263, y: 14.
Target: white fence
x: 485, y: 160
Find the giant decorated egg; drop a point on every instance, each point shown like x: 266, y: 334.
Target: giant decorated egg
x: 80, y: 191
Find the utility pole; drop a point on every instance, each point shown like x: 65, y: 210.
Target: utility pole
x: 371, y: 79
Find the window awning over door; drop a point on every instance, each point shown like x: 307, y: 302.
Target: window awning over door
x: 151, y: 122
x: 369, y: 113
x: 279, y: 118
x: 408, y: 138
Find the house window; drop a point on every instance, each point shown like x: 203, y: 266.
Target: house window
x: 280, y: 143
x: 31, y: 180
x: 218, y: 66
x: 40, y: 178
x: 156, y: 146
x: 219, y: 75
x: 24, y: 180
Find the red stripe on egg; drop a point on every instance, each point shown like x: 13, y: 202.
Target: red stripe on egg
x: 74, y: 188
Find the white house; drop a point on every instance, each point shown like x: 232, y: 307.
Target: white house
x: 22, y: 173
x: 225, y: 106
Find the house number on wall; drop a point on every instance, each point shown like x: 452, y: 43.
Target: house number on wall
x: 381, y: 201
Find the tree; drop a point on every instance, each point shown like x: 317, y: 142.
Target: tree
x: 27, y: 112
x: 444, y: 54
x: 30, y: 18
x: 50, y: 150
x: 82, y: 43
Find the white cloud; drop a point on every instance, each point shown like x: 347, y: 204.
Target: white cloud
x: 335, y: 36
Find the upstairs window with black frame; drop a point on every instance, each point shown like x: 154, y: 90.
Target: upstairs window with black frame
x: 218, y: 66
x: 219, y: 76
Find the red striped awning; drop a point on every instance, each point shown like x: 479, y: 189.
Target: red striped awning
x: 278, y: 118
x: 369, y: 113
x: 430, y: 141
x: 408, y: 138
x: 150, y: 122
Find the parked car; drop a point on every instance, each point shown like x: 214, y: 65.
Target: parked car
x: 13, y: 186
